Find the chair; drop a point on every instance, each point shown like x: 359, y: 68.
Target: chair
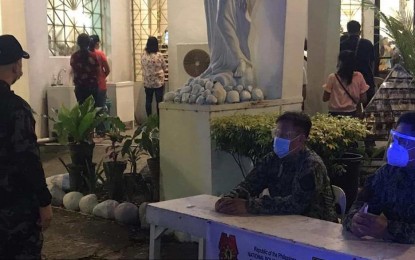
x: 340, y: 199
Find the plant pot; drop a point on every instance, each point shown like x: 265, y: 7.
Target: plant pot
x: 137, y: 189
x: 81, y: 154
x: 114, y: 173
x: 154, y: 167
x: 82, y: 178
x: 348, y: 181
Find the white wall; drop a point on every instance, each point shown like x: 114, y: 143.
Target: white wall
x: 27, y: 21
x: 323, y: 48
x: 120, y: 44
x: 187, y: 24
x: 13, y: 11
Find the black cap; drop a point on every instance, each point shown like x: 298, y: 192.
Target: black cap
x: 11, y: 50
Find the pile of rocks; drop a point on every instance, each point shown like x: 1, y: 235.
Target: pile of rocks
x: 206, y: 92
x: 58, y: 185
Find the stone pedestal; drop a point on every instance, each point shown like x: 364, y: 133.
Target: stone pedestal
x: 189, y: 163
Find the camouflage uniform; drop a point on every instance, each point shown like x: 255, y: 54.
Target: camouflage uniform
x: 390, y: 191
x: 297, y: 185
x: 22, y: 182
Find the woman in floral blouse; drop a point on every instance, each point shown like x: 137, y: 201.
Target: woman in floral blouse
x: 154, y: 67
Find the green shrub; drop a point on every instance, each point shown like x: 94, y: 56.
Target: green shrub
x: 250, y: 136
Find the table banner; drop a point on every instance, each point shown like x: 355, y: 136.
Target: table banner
x: 226, y: 242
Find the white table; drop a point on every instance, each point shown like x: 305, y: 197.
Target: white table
x: 194, y: 214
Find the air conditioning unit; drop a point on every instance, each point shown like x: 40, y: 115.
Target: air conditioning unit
x: 192, y: 59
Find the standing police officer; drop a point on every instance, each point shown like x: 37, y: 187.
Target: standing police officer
x: 25, y: 208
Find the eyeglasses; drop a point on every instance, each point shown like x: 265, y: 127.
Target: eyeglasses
x: 404, y: 140
x: 276, y: 132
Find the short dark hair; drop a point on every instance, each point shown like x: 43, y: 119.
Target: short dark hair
x: 152, y: 45
x: 353, y: 27
x: 298, y: 119
x: 83, y: 41
x: 93, y: 40
x: 408, y: 118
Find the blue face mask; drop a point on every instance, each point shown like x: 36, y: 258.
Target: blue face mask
x: 282, y: 146
x: 398, y: 155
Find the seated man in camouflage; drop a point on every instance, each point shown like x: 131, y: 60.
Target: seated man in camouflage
x: 385, y: 207
x: 294, y: 175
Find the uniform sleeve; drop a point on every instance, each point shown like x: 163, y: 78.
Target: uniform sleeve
x: 27, y: 157
x: 254, y: 183
x: 329, y: 84
x: 401, y: 232
x: 304, y: 189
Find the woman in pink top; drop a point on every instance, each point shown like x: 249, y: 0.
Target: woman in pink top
x: 346, y: 89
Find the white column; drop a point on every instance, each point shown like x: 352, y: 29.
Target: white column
x: 368, y: 23
x: 13, y: 22
x: 277, y: 35
x: 323, y: 48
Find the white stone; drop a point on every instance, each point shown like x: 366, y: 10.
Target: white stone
x: 88, y: 203
x: 57, y: 194
x: 127, y: 213
x: 60, y: 180
x: 219, y: 92
x: 228, y: 88
x: 232, y: 97
x: 200, y: 100
x: 142, y: 214
x: 206, y: 93
x: 190, y: 81
x: 186, y: 89
x: 192, y: 99
x: 249, y: 88
x: 239, y: 88
x: 257, y: 94
x: 185, y: 97
x: 245, y: 96
x: 209, y: 85
x: 177, y: 98
x: 211, y: 100
x: 105, y: 209
x: 169, y: 96
x: 65, y: 183
x: 71, y: 200
x: 196, y: 88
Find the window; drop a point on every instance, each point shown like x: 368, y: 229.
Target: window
x: 67, y: 19
x: 149, y: 19
x: 350, y: 10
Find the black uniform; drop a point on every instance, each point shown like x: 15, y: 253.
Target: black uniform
x: 22, y: 181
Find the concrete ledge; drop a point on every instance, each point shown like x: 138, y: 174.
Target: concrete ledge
x: 235, y: 106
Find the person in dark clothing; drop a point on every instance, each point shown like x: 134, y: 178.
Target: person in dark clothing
x: 295, y: 176
x: 85, y: 67
x: 384, y: 208
x: 364, y: 54
x: 25, y: 208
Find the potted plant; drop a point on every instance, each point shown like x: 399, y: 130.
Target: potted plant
x: 145, y: 140
x: 244, y: 136
x: 114, y: 168
x: 401, y: 29
x: 74, y: 127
